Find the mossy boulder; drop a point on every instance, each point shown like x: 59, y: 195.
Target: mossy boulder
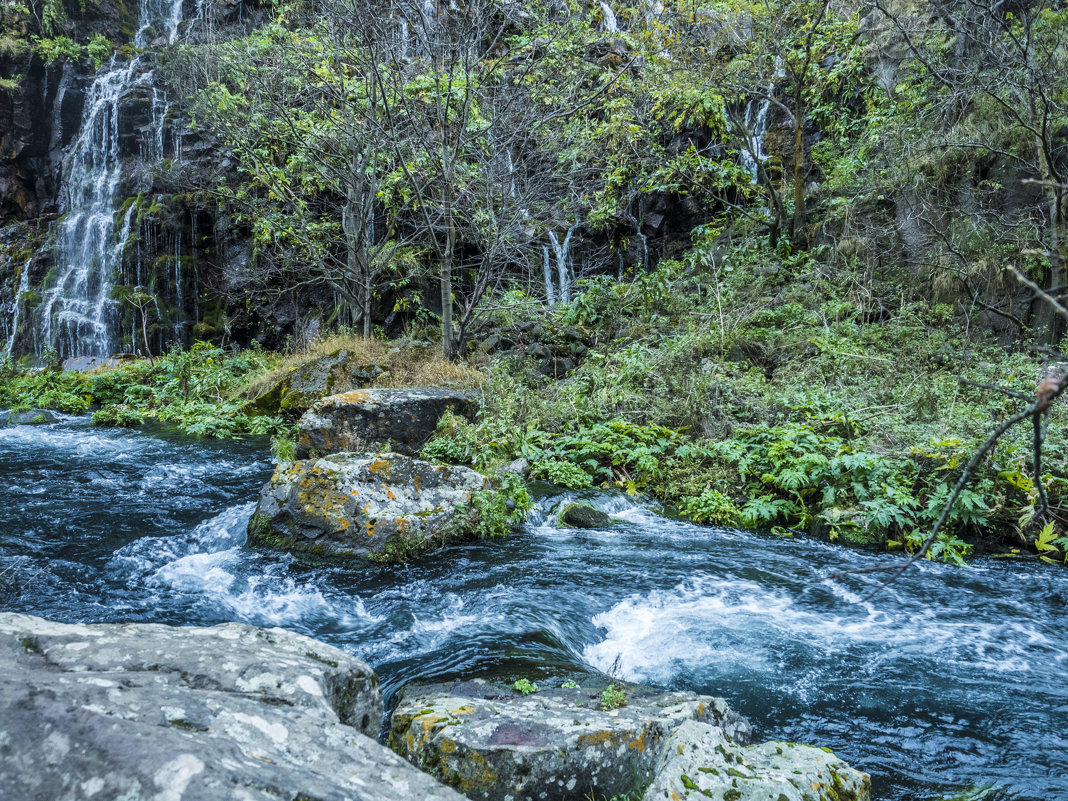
x: 382, y: 507
x: 699, y: 761
x: 400, y: 420
x: 557, y: 744
x: 305, y: 385
x: 582, y: 515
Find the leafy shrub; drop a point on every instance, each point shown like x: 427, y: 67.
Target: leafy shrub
x: 711, y: 506
x: 120, y: 416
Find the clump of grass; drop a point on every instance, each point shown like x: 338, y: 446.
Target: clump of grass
x: 402, y: 366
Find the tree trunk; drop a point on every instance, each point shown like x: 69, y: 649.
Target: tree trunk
x: 447, y: 337
x: 797, y: 221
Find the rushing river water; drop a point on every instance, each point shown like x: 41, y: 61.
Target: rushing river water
x: 951, y: 678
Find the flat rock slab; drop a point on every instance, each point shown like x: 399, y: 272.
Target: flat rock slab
x: 698, y: 762
x: 158, y: 712
x: 552, y: 745
x: 382, y: 506
x: 400, y: 420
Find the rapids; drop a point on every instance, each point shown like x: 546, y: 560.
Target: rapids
x: 952, y: 678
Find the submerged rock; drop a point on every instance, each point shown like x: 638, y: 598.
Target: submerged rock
x: 582, y: 515
x: 384, y: 507
x: 31, y: 417
x: 698, y: 761
x: 228, y: 712
x: 400, y: 420
x: 308, y: 383
x: 551, y: 745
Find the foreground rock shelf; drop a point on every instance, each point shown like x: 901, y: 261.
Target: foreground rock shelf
x: 560, y: 744
x: 228, y: 712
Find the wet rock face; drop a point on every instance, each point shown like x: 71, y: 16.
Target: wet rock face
x: 400, y: 420
x: 552, y: 745
x: 381, y: 506
x: 698, y: 761
x: 152, y: 711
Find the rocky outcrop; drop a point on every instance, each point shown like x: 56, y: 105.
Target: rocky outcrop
x: 228, y: 712
x: 697, y: 761
x: 400, y: 420
x: 308, y: 383
x: 554, y: 744
x: 384, y: 507
x: 30, y: 417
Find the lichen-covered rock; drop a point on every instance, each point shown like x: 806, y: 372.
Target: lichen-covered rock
x: 30, y: 417
x: 555, y: 744
x: 308, y: 383
x: 381, y: 506
x: 213, y: 714
x: 582, y: 515
x: 400, y: 420
x: 699, y: 762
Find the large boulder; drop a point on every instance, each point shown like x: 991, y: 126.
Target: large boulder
x: 699, y: 762
x: 400, y: 420
x: 551, y: 745
x: 222, y: 713
x: 305, y: 385
x: 385, y: 506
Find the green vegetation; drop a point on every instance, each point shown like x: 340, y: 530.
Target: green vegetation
x: 613, y: 697
x: 525, y: 687
x: 197, y: 390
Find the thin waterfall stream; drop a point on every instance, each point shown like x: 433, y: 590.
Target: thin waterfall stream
x: 952, y: 678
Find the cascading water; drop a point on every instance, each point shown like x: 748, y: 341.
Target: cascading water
x: 77, y: 315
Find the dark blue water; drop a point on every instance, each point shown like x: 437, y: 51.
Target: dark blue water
x: 953, y: 678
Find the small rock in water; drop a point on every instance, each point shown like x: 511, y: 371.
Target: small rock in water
x: 582, y: 515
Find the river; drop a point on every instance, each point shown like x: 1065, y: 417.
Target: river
x: 952, y: 678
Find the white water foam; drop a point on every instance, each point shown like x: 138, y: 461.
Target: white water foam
x: 726, y: 626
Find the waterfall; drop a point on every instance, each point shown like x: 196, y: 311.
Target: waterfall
x: 77, y: 314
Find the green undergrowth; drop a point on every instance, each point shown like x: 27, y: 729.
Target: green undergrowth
x: 197, y: 390
x: 745, y: 398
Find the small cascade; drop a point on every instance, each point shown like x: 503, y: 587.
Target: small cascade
x: 565, y: 273
x: 77, y: 315
x: 611, y: 25
x: 16, y: 305
x: 550, y: 289
x: 756, y: 126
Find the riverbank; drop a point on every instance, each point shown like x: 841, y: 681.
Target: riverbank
x: 798, y: 416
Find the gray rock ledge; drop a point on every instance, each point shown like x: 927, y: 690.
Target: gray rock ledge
x: 228, y: 713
